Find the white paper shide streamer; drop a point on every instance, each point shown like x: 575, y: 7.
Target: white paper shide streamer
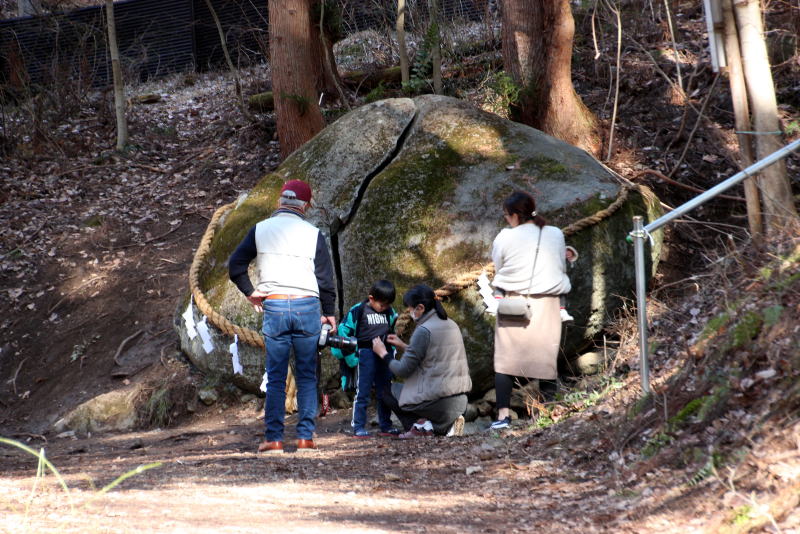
x: 205, y: 335
x: 234, y: 349
x: 485, y: 290
x: 188, y: 317
x: 264, y: 381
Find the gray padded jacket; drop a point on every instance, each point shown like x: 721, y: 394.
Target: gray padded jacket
x: 434, y: 365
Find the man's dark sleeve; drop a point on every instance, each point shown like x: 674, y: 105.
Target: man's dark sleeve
x: 240, y: 261
x: 323, y: 268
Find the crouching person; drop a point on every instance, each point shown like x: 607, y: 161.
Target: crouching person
x: 433, y: 397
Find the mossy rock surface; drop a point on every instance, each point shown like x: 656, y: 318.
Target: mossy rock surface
x: 411, y: 190
x: 112, y: 411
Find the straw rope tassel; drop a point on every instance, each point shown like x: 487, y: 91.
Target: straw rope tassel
x: 251, y: 337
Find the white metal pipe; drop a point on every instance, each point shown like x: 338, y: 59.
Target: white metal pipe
x: 639, y: 238
x: 640, y: 234
x: 723, y: 186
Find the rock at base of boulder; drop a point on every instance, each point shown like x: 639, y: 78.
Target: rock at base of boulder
x: 208, y: 396
x: 115, y: 410
x: 590, y: 363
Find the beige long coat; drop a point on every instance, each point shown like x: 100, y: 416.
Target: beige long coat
x: 530, y: 348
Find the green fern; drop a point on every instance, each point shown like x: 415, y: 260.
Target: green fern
x: 714, y: 325
x: 772, y: 314
x: 708, y: 469
x: 505, y: 88
x: 655, y: 444
x: 746, y: 329
x: 422, y: 67
x: 378, y: 93
x: 691, y: 408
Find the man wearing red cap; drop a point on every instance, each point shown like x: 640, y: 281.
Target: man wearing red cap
x: 296, y: 292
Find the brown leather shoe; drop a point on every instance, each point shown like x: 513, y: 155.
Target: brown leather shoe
x: 305, y: 445
x: 271, y: 447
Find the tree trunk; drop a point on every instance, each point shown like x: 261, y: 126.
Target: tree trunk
x: 224, y: 44
x: 537, y: 54
x: 776, y: 193
x: 436, y: 47
x: 119, y: 84
x: 292, y: 43
x: 741, y: 112
x: 401, y: 41
x: 330, y: 72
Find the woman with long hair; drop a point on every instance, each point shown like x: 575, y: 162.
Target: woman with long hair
x: 432, y: 399
x: 530, y: 265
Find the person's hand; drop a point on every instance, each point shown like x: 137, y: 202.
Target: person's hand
x: 329, y: 319
x: 351, y: 360
x: 572, y: 255
x: 255, y: 299
x: 378, y: 347
x: 392, y: 339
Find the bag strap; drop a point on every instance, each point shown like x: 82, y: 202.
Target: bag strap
x: 535, y: 257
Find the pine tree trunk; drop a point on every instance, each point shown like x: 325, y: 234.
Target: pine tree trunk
x: 741, y: 112
x: 119, y: 84
x: 537, y: 54
x: 776, y: 194
x: 401, y: 42
x: 292, y: 44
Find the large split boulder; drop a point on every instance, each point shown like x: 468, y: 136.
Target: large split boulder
x: 411, y: 190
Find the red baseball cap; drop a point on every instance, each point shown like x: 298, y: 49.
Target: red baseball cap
x: 296, y: 189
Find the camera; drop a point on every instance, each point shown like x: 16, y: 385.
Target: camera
x: 326, y: 339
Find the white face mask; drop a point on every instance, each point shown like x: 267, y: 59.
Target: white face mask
x: 413, y: 317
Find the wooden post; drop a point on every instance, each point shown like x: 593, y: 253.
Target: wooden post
x: 776, y: 194
x: 401, y: 41
x: 741, y: 111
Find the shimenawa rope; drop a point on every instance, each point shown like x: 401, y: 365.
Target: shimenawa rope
x: 253, y: 338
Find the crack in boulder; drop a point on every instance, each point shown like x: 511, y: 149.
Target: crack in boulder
x: 339, y: 225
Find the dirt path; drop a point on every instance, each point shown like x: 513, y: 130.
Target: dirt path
x: 210, y: 480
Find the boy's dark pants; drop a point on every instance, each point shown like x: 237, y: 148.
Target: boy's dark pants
x: 372, y: 369
x: 441, y: 412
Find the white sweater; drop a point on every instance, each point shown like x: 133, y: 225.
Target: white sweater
x: 513, y: 253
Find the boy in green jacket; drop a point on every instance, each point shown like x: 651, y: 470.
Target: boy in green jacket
x: 373, y: 317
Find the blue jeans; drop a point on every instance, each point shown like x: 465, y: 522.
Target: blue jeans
x: 291, y: 324
x: 372, y: 369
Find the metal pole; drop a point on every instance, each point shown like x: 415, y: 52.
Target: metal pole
x: 724, y: 185
x: 641, y: 233
x: 639, y: 237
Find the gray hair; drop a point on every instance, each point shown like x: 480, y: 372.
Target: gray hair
x: 288, y: 198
